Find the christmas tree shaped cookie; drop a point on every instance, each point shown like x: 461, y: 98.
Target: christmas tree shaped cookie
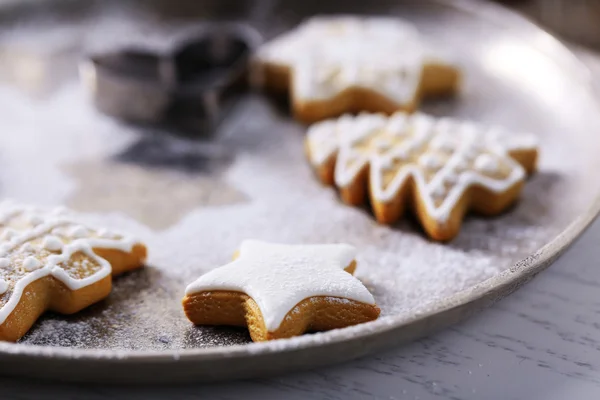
x: 440, y: 168
x: 50, y: 262
x: 346, y: 64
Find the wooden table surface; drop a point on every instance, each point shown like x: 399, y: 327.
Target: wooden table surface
x: 542, y: 342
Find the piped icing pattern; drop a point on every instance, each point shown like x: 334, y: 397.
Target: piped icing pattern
x: 279, y: 276
x: 36, y: 243
x: 330, y: 54
x: 443, y: 156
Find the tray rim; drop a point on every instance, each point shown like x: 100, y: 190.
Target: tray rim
x: 488, y: 291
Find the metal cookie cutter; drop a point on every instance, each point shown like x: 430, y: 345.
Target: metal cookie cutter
x: 188, y: 89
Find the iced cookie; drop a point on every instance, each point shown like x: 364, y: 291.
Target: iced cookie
x: 280, y: 291
x: 440, y: 168
x: 345, y: 64
x: 50, y: 262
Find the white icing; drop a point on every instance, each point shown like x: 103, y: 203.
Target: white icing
x: 430, y: 161
x: 443, y: 143
x: 35, y: 220
x: 279, y: 276
x: 400, y: 155
x: 106, y: 234
x: 4, y: 262
x: 403, y: 151
x: 8, y: 234
x: 3, y: 286
x: 487, y: 164
x: 460, y: 163
x: 450, y: 180
x: 8, y: 213
x: 383, y: 144
x: 26, y: 247
x: 343, y: 125
x: 331, y: 54
x: 31, y: 263
x: 387, y: 164
x: 59, y: 211
x: 397, y: 125
x: 51, y: 223
x: 468, y: 152
x: 324, y: 141
x: 367, y: 123
x: 422, y: 128
x: 78, y: 231
x: 518, y: 142
x: 438, y: 191
x: 60, y: 231
x: 52, y: 243
x: 353, y: 163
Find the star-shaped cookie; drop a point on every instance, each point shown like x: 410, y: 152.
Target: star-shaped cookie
x: 50, y: 262
x: 280, y: 291
x: 440, y: 168
x: 347, y: 64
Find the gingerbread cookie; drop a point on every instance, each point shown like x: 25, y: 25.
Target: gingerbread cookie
x: 344, y: 64
x: 280, y: 291
x: 50, y: 262
x: 441, y: 168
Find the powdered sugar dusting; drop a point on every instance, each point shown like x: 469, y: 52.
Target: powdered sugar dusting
x: 404, y: 271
